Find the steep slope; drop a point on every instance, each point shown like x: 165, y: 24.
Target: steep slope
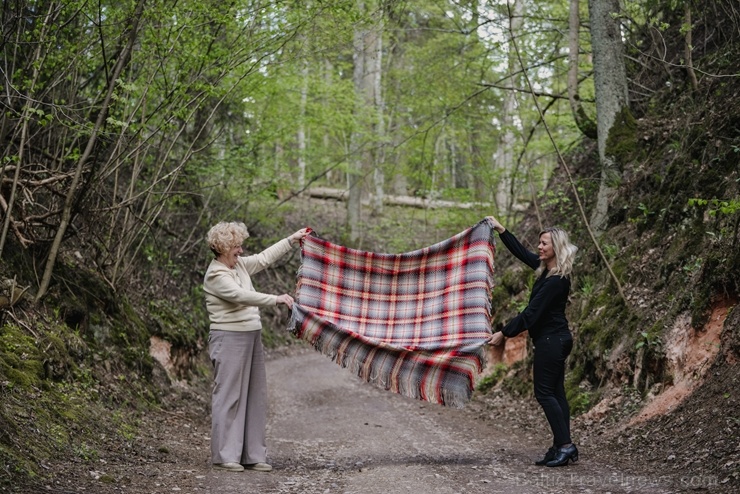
x: 657, y: 372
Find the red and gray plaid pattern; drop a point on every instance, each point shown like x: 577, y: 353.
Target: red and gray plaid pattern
x: 412, y: 323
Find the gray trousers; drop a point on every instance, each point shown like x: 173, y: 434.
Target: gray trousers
x: 239, y: 400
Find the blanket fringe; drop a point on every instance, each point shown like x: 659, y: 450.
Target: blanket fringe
x: 455, y: 390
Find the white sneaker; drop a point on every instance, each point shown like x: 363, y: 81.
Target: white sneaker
x: 259, y: 467
x: 231, y: 467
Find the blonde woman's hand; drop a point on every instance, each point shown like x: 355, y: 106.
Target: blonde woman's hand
x: 496, y: 225
x: 496, y: 338
x: 285, y: 299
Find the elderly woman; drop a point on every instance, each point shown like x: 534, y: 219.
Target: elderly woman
x: 239, y: 400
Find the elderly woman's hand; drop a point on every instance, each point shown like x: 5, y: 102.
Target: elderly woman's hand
x: 300, y: 234
x: 285, y: 299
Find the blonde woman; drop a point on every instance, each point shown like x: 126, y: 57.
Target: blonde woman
x: 239, y: 398
x: 544, y: 318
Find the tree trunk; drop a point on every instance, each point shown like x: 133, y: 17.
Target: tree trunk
x: 610, y: 80
x: 377, y: 100
x: 584, y: 123
x: 302, y: 128
x: 504, y: 156
x: 368, y: 112
x: 354, y: 202
x: 329, y: 193
x: 330, y: 174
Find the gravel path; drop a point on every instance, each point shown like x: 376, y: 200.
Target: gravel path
x: 329, y: 433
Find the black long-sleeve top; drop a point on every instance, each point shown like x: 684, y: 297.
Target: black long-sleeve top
x: 545, y: 313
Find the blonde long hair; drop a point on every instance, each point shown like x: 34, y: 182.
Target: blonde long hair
x: 565, y: 253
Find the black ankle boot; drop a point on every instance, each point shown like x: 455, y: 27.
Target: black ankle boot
x: 563, y: 456
x: 549, y: 456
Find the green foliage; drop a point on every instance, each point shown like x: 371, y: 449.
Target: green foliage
x: 715, y: 207
x: 587, y: 286
x: 644, y: 217
x: 693, y: 265
x: 511, y: 295
x: 651, y: 341
x: 491, y: 380
x: 176, y: 322
x: 610, y: 251
x: 203, y: 126
x: 559, y: 200
x: 602, y: 322
x: 518, y: 380
x: 580, y: 402
x: 64, y: 394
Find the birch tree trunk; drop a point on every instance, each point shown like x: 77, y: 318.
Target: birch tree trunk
x: 504, y: 156
x: 302, y: 128
x: 331, y: 176
x: 610, y: 80
x: 377, y: 100
x: 368, y: 113
x: 354, y: 176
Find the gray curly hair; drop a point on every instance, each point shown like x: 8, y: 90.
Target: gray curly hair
x: 226, y: 235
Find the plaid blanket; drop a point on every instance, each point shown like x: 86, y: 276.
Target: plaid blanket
x: 412, y: 323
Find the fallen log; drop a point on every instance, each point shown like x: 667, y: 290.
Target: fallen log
x: 408, y: 201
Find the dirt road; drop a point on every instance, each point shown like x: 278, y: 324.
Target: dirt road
x: 330, y: 433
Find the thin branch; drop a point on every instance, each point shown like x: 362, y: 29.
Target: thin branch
x: 524, y: 90
x: 688, y: 48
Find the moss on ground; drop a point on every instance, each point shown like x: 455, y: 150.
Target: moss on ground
x: 65, y: 388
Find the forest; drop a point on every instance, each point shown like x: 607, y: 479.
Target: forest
x: 130, y: 127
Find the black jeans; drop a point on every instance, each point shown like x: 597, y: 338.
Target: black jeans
x: 550, y: 353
